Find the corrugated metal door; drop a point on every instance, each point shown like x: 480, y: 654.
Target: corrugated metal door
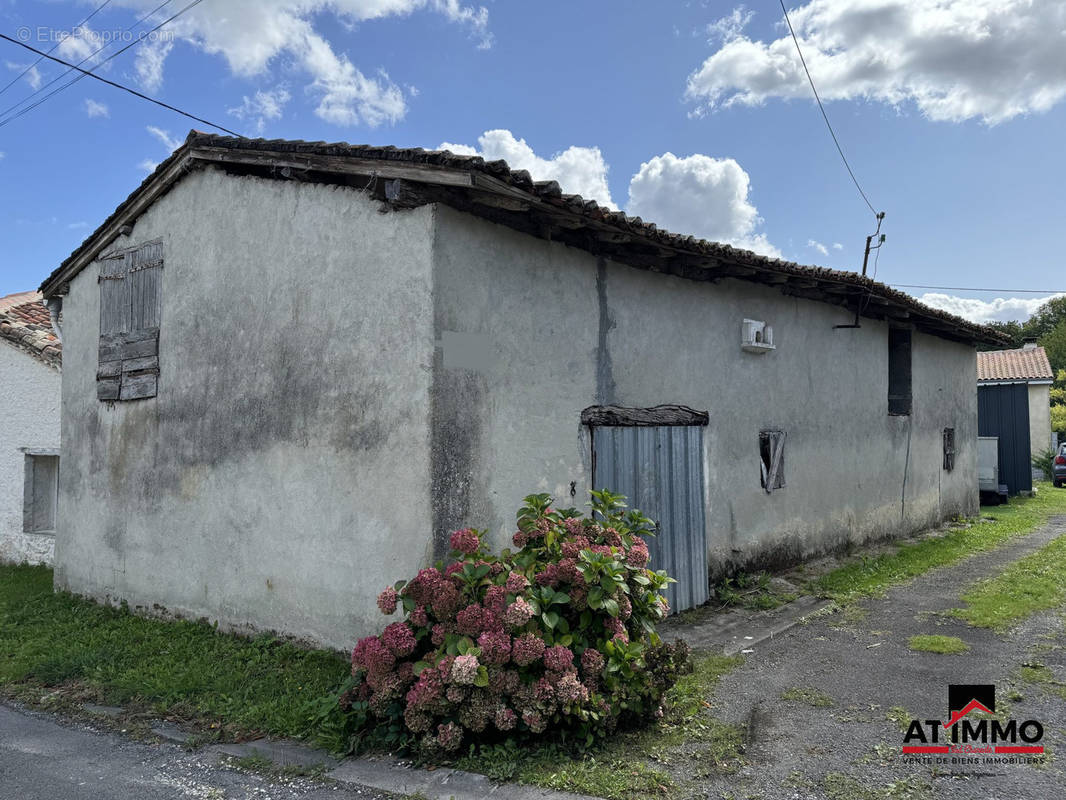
x: 660, y: 470
x: 1003, y: 411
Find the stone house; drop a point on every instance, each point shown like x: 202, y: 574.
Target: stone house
x: 30, y: 356
x: 292, y: 368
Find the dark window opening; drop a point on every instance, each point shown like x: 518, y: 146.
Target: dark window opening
x: 899, y: 371
x: 949, y: 449
x: 772, y: 459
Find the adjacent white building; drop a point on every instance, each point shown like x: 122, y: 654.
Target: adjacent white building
x: 29, y: 429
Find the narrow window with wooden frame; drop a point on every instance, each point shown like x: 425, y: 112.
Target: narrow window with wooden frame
x: 130, y: 284
x: 949, y: 449
x: 772, y: 459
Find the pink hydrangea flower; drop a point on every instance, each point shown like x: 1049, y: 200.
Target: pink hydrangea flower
x: 505, y: 718
x: 549, y: 576
x: 526, y: 649
x: 387, y: 601
x: 454, y: 567
x: 469, y: 621
x: 464, y: 670
x: 638, y: 554
x: 520, y: 539
x: 558, y: 658
x: 612, y: 537
x: 445, y: 600
x: 573, y: 547
x: 399, y: 639
x: 516, y: 583
x: 371, y: 655
x: 496, y: 599
x: 419, y: 617
x: 535, y: 720
x: 518, y: 613
x: 449, y: 736
x: 495, y: 647
x: 570, y: 690
x: 465, y: 541
x: 440, y: 631
x: 592, y: 662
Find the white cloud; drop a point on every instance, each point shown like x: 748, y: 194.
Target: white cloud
x: 954, y: 59
x: 77, y: 48
x: 1001, y: 309
x: 33, y: 76
x: 729, y: 27
x: 148, y: 165
x: 169, y: 142
x: 95, y: 109
x: 579, y: 170
x: 263, y: 106
x: 821, y: 248
x: 251, y: 35
x: 74, y: 226
x: 838, y: 246
x: 699, y: 195
x: 151, y: 56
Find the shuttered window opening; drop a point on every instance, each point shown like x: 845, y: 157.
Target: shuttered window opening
x: 949, y: 449
x: 130, y: 285
x: 40, y: 494
x: 772, y: 459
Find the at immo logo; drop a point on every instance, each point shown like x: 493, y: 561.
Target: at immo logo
x: 962, y: 734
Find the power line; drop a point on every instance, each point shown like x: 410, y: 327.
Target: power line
x: 975, y: 289
x: 822, y: 109
x: 97, y: 66
x: 89, y: 74
x: 89, y: 57
x: 24, y: 72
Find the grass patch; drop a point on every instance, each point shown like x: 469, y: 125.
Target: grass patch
x: 262, y: 765
x: 1038, y: 674
x: 687, y: 744
x: 1034, y: 583
x: 838, y: 786
x: 752, y: 591
x: 56, y: 643
x: 871, y: 576
x: 947, y: 645
x: 810, y: 697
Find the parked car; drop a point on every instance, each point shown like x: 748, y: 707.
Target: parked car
x: 1059, y: 468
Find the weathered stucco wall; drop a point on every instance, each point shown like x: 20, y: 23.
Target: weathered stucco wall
x: 565, y: 331
x: 281, y: 476
x: 29, y: 418
x: 1039, y: 421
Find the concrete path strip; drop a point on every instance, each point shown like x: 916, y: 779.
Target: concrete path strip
x: 736, y: 631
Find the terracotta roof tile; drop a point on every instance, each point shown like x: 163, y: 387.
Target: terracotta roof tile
x: 26, y: 324
x: 1026, y: 364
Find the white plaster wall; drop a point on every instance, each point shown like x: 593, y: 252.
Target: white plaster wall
x: 280, y: 478
x: 1039, y: 421
x: 29, y: 417
x: 853, y: 472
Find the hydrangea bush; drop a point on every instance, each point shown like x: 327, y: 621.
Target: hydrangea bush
x: 557, y: 635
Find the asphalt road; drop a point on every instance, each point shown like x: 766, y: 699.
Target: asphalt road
x: 44, y: 759
x: 851, y: 750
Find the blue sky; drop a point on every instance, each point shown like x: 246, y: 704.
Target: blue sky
x: 694, y: 115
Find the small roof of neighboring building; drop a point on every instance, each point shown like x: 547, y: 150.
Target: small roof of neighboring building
x: 26, y: 324
x: 405, y: 178
x: 1025, y: 365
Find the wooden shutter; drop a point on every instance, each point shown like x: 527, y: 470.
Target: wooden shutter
x: 130, y: 303
x: 772, y: 459
x: 949, y: 449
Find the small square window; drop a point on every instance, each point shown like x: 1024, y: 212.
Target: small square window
x: 40, y: 494
x: 772, y: 459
